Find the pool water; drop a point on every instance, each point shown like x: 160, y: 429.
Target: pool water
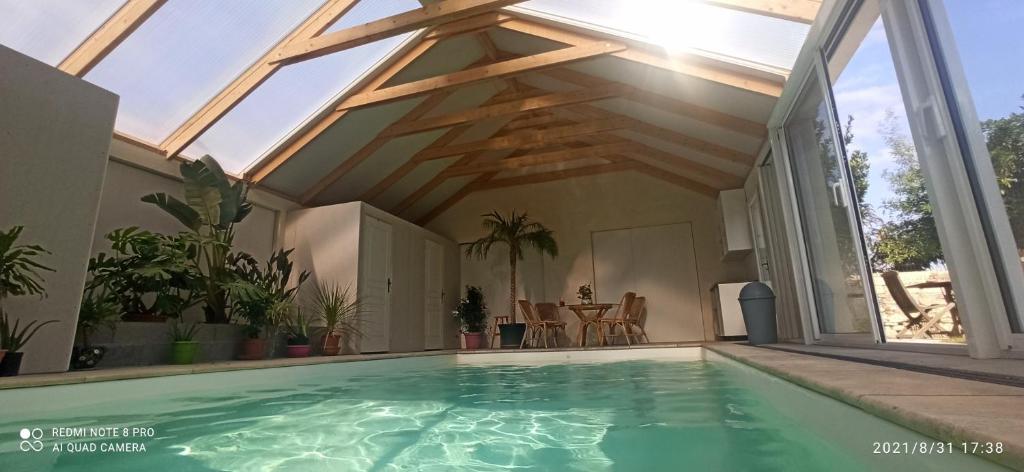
x: 436, y: 415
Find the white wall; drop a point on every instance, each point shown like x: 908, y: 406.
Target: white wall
x: 54, y: 137
x: 573, y: 209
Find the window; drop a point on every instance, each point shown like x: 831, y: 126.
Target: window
x: 49, y: 30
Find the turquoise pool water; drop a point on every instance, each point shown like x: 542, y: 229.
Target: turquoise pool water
x: 431, y: 414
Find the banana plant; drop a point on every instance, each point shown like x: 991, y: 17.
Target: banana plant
x: 212, y: 206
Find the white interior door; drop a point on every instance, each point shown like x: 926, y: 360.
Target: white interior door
x: 433, y: 298
x: 656, y: 262
x: 375, y: 286
x: 760, y: 242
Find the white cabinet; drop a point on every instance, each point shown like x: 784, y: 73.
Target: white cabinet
x: 726, y: 305
x: 733, y: 225
x: 399, y: 271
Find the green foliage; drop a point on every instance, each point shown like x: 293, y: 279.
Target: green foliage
x: 263, y: 296
x: 339, y: 311
x: 298, y: 327
x: 19, y: 267
x: 12, y: 338
x: 471, y: 312
x: 1005, y: 138
x: 860, y: 169
x: 99, y: 309
x: 517, y: 233
x: 585, y: 293
x: 147, y: 266
x: 181, y: 332
x: 212, y: 206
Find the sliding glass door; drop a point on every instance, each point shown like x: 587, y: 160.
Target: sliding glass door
x: 831, y: 229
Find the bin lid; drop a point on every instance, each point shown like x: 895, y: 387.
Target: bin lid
x: 756, y: 291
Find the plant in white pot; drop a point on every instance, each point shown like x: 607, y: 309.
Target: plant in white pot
x: 19, y: 276
x: 518, y: 234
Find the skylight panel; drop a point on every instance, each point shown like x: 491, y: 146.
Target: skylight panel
x: 296, y: 92
x: 679, y: 26
x: 49, y: 30
x: 186, y: 53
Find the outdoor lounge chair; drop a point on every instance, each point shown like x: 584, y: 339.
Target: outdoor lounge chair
x: 536, y: 326
x: 921, y: 320
x: 628, y: 322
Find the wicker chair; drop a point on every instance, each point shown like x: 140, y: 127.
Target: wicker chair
x: 536, y: 326
x: 625, y: 303
x: 628, y: 322
x: 548, y: 313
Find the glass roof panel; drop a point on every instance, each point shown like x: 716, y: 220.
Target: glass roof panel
x: 49, y: 30
x: 186, y: 53
x: 296, y: 92
x: 680, y: 25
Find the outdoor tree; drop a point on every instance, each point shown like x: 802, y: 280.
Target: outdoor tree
x: 1005, y: 138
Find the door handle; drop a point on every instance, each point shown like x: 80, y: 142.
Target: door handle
x: 389, y: 284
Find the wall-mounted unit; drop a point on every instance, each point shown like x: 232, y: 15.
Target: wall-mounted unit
x: 733, y: 226
x: 398, y: 270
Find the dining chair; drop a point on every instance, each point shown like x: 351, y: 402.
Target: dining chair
x: 629, y: 321
x: 921, y: 319
x: 534, y: 325
x: 494, y: 329
x: 548, y: 313
x: 621, y: 311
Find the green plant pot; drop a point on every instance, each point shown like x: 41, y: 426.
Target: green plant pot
x: 184, y: 352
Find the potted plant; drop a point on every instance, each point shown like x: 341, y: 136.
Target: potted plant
x: 340, y: 314
x: 183, y: 344
x: 585, y: 294
x: 212, y: 207
x: 297, y: 328
x: 98, y: 310
x: 517, y: 233
x: 262, y: 296
x: 471, y: 313
x: 150, y: 274
x: 19, y: 276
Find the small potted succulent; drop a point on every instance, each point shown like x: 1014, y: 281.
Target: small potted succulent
x: 297, y: 329
x: 339, y: 313
x: 19, y: 276
x: 183, y: 344
x: 471, y: 313
x: 585, y: 294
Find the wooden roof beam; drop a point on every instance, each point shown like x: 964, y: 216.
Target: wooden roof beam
x: 247, y: 81
x: 536, y: 159
x: 802, y: 11
x: 493, y: 71
x: 523, y: 139
x: 431, y: 14
x: 109, y: 35
x: 698, y: 67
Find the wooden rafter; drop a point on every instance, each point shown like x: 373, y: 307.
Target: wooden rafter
x: 473, y: 24
x: 512, y: 108
x: 429, y: 15
x: 681, y: 162
x: 108, y: 36
x: 256, y: 74
x: 666, y: 103
x: 527, y: 139
x: 693, y: 66
x: 552, y: 176
x: 536, y: 159
x: 803, y: 11
x: 300, y: 140
x: 676, y: 179
x: 488, y: 72
x: 452, y: 200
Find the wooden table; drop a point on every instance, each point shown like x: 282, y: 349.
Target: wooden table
x: 947, y: 293
x: 597, y: 309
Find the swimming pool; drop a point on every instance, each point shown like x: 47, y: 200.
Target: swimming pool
x: 475, y: 412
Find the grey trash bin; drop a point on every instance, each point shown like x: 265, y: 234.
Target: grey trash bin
x: 758, y: 304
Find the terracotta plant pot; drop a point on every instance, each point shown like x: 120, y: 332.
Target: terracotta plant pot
x: 2, y: 352
x: 473, y: 340
x: 184, y: 352
x: 253, y: 349
x: 298, y: 350
x: 331, y: 344
x: 11, y: 364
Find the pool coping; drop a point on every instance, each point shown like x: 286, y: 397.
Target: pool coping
x: 936, y: 406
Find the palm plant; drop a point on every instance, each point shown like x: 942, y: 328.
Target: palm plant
x: 211, y: 208
x: 339, y: 311
x: 518, y: 233
x: 19, y: 275
x: 12, y: 338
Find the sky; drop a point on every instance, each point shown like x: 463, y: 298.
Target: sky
x: 989, y: 40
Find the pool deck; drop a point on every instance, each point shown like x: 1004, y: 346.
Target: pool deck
x: 946, y: 408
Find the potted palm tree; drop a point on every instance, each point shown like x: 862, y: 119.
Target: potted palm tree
x: 517, y: 233
x: 340, y: 314
x: 19, y: 276
x: 471, y: 313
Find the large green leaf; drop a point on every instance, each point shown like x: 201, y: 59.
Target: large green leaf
x: 176, y: 208
x: 203, y: 188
